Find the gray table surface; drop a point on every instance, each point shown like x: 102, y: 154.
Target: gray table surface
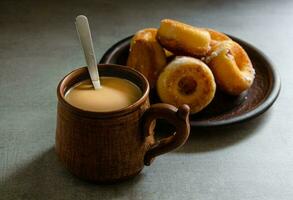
x: 38, y: 46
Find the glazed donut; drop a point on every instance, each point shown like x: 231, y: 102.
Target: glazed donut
x: 183, y: 39
x: 147, y: 55
x: 216, y: 36
x: 187, y: 80
x: 231, y: 67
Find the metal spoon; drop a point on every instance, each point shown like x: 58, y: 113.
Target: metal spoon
x: 84, y: 33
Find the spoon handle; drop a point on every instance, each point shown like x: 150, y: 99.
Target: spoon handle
x: 84, y: 32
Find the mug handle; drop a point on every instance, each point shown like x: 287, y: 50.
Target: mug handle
x: 178, y: 117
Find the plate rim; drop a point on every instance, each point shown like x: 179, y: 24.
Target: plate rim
x: 267, y: 102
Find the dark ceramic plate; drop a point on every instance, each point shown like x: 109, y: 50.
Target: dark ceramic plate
x: 224, y: 109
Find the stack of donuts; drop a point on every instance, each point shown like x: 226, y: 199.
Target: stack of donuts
x: 185, y: 64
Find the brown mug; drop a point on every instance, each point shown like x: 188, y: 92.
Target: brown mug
x: 112, y: 146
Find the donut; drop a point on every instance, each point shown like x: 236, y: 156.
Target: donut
x: 216, y: 36
x: 186, y: 80
x: 231, y: 67
x: 146, y: 55
x: 183, y: 39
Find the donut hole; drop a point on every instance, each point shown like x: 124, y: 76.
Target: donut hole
x: 187, y: 85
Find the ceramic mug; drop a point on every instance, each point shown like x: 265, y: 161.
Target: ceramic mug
x: 112, y: 146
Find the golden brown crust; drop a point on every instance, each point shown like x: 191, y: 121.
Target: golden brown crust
x: 146, y: 55
x: 217, y: 36
x: 186, y: 80
x: 183, y: 39
x: 231, y: 67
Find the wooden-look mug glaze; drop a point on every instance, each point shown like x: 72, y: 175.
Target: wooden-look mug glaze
x: 112, y: 146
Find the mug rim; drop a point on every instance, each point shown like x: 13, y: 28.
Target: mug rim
x: 63, y: 87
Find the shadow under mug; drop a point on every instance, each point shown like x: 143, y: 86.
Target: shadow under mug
x: 112, y: 146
